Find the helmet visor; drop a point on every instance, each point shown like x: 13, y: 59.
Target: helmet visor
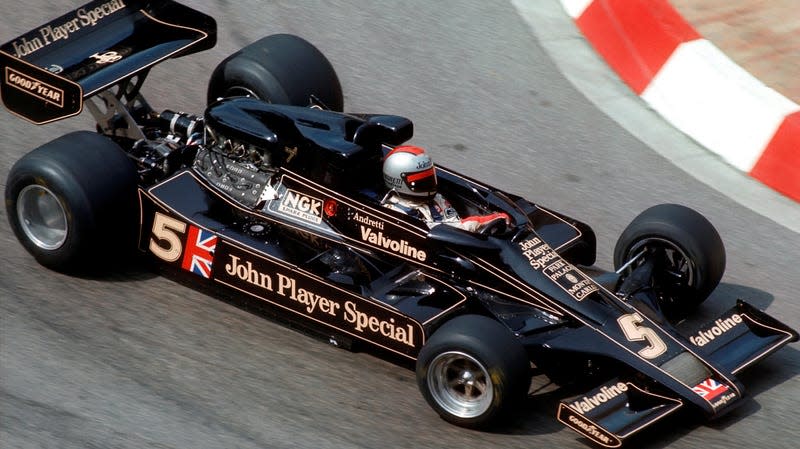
x: 422, y: 182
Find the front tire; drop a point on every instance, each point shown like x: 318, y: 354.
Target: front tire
x: 686, y: 250
x: 473, y: 371
x: 280, y: 69
x: 71, y: 202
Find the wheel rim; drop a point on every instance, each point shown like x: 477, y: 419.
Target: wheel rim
x: 677, y: 272
x: 460, y: 384
x: 42, y: 217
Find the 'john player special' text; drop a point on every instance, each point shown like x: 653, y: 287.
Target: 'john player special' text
x: 314, y: 299
x: 62, y: 31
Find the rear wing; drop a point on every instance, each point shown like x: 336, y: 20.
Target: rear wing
x: 48, y: 72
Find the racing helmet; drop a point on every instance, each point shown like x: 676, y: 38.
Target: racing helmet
x: 409, y: 171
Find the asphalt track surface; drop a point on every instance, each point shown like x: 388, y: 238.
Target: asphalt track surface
x: 133, y: 360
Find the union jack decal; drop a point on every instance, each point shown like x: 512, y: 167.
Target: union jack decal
x: 710, y: 389
x: 199, y: 255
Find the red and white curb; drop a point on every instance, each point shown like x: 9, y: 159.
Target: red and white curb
x: 694, y: 86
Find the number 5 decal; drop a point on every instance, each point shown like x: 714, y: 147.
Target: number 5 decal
x: 634, y: 332
x: 167, y: 229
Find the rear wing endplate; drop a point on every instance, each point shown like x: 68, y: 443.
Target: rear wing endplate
x: 48, y: 72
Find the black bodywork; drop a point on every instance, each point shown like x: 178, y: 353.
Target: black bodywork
x: 324, y: 250
x: 393, y: 281
x: 329, y: 204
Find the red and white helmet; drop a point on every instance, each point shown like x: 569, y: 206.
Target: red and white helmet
x: 409, y: 171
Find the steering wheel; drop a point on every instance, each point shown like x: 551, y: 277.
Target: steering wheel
x: 494, y: 227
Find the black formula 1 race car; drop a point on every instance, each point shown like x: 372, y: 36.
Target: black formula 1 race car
x: 275, y: 195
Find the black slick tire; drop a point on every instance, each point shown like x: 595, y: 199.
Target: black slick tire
x: 72, y: 202
x: 280, y: 69
x: 473, y: 371
x: 688, y: 240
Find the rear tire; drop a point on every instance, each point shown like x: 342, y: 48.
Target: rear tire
x: 280, y: 69
x: 686, y: 248
x: 72, y: 202
x: 473, y: 371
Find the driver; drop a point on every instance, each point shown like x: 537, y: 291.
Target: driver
x: 409, y: 174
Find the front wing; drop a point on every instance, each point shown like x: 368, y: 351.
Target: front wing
x: 736, y: 340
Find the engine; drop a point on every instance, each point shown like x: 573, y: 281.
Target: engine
x: 175, y: 140
x: 238, y: 168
